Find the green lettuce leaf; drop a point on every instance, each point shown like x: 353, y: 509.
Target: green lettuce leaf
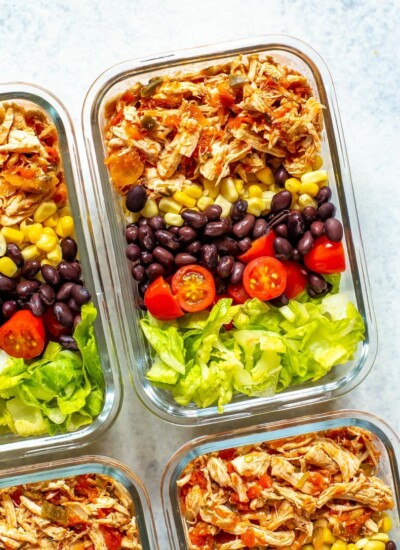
x: 86, y: 340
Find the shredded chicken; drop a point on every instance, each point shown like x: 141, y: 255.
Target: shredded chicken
x: 271, y: 495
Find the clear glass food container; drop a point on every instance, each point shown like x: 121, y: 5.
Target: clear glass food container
x: 12, y: 445
x: 92, y: 465
x: 108, y: 225
x: 388, y: 441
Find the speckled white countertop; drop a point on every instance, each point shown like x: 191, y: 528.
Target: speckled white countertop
x: 65, y: 45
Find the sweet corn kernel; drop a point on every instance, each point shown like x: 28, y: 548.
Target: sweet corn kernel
x: 306, y: 200
x: 327, y: 536
x: 318, y: 162
x: 309, y: 188
x: 255, y: 191
x: 132, y: 217
x: 49, y: 231
x: 339, y: 545
x: 39, y: 277
x: 384, y: 537
x: 267, y: 197
x: 224, y: 204
x: 46, y: 242
x: 211, y: 189
x: 307, y: 547
x: 295, y: 201
x: 374, y: 545
x: 194, y: 191
x: 239, y: 185
x: 44, y: 211
x: 34, y: 232
x: 31, y: 252
x: 351, y: 546
x: 387, y: 523
x: 255, y: 206
x: 45, y: 261
x: 65, y: 211
x: 173, y: 219
x: 24, y: 227
x: 55, y: 255
x: 169, y: 206
x: 3, y: 245
x: 204, y: 202
x: 65, y: 226
x: 51, y: 221
x: 184, y: 199
x: 266, y: 176
x: 292, y: 185
x: 314, y: 177
x: 8, y: 267
x: 151, y: 209
x: 361, y: 543
x: 12, y: 235
x: 228, y: 190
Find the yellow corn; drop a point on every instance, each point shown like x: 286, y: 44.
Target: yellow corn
x: 309, y: 188
x: 24, y: 227
x: 314, y: 177
x: 3, y: 245
x: 34, y: 232
x: 239, y: 185
x: 65, y: 211
x: 45, y: 261
x: 255, y: 191
x: 49, y: 231
x: 12, y: 235
x: 361, y: 543
x: 170, y: 206
x: 46, y: 242
x: 339, y: 545
x: 327, y: 536
x: 132, y: 217
x: 266, y: 176
x: 374, y: 545
x: 194, y: 191
x: 351, y: 546
x: 292, y: 185
x: 211, y: 189
x: 387, y: 523
x: 224, y: 204
x: 44, y: 211
x: 51, y: 221
x: 307, y: 547
x: 55, y: 255
x: 204, y: 202
x: 228, y: 190
x: 318, y: 162
x: 384, y: 537
x: 173, y: 219
x: 184, y: 199
x: 151, y: 209
x: 295, y: 201
x: 8, y: 267
x: 65, y: 226
x: 267, y: 197
x: 321, y: 523
x: 255, y: 206
x: 39, y: 277
x: 31, y: 252
x: 306, y: 200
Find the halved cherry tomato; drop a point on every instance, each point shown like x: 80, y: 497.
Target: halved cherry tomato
x: 326, y: 257
x: 23, y: 336
x: 160, y: 301
x: 264, y: 278
x: 53, y: 327
x: 296, y: 279
x: 263, y: 246
x: 238, y: 293
x: 112, y: 537
x: 194, y: 287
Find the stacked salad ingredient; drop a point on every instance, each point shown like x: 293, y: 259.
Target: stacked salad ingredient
x: 50, y: 374
x: 315, y: 491
x: 228, y: 205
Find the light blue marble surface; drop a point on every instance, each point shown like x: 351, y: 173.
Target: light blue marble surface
x: 65, y: 45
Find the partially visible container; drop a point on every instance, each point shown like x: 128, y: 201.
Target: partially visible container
x: 388, y: 467
x: 12, y: 445
x: 92, y: 465
x: 108, y: 224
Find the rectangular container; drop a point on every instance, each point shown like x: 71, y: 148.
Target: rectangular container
x: 388, y: 471
x: 12, y: 445
x: 108, y: 226
x: 92, y: 465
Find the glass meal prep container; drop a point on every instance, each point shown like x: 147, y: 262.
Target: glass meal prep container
x: 12, y: 445
x: 108, y: 225
x: 83, y: 466
x: 387, y: 440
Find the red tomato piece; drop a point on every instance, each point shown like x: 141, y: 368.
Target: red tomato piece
x: 194, y: 287
x: 227, y: 454
x: 264, y: 278
x: 53, y: 327
x: 112, y: 537
x: 160, y: 301
x: 265, y: 481
x: 23, y: 336
x: 238, y: 293
x: 263, y: 246
x: 296, y: 279
x: 326, y: 257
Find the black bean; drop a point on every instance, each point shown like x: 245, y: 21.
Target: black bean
x: 317, y: 229
x: 143, y: 221
x: 146, y: 257
x: 314, y: 294
x: 131, y: 233
x: 143, y: 287
x: 213, y: 212
x: 390, y: 545
x: 306, y: 243
x: 277, y: 218
x: 64, y: 292
x: 221, y: 285
x: 242, y: 228
x: 30, y: 269
x: 77, y: 320
x: 68, y: 271
x: 132, y: 252
x: 244, y: 245
x: 7, y: 285
x: 167, y: 239
x: 283, y: 248
x: 154, y: 271
x: 323, y: 195
x: 209, y: 256
x: 47, y: 294
x: 15, y: 254
x: 326, y: 210
x: 156, y: 223
x: 63, y: 314
x: 163, y: 257
x: 237, y: 273
x: 281, y: 230
x: 194, y: 219
x: 174, y: 229
x: 68, y: 342
x: 333, y: 230
x: 183, y: 258
x: 309, y: 214
x: 146, y: 237
x: 280, y: 301
x: 216, y: 229
x: 238, y: 210
x: 260, y: 228
x: 317, y: 282
x: 136, y: 198
x: 138, y: 272
x: 81, y: 294
x: 25, y: 289
x: 281, y: 201
x: 194, y: 248
x: 296, y: 226
x: 35, y: 305
x: 69, y: 249
x: 9, y: 308
x: 227, y: 246
x: 296, y: 256
x: 281, y: 175
x: 50, y: 274
x: 74, y: 306
x: 225, y: 266
x: 187, y: 234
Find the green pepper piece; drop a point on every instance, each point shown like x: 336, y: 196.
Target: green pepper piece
x: 149, y: 123
x: 54, y: 513
x: 237, y: 80
x: 154, y: 83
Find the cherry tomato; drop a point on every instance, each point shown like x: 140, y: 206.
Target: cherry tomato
x: 194, y: 287
x: 296, y: 279
x: 112, y: 537
x: 53, y: 327
x: 238, y: 293
x: 23, y: 336
x: 264, y: 278
x: 263, y: 246
x: 160, y: 301
x: 326, y: 257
